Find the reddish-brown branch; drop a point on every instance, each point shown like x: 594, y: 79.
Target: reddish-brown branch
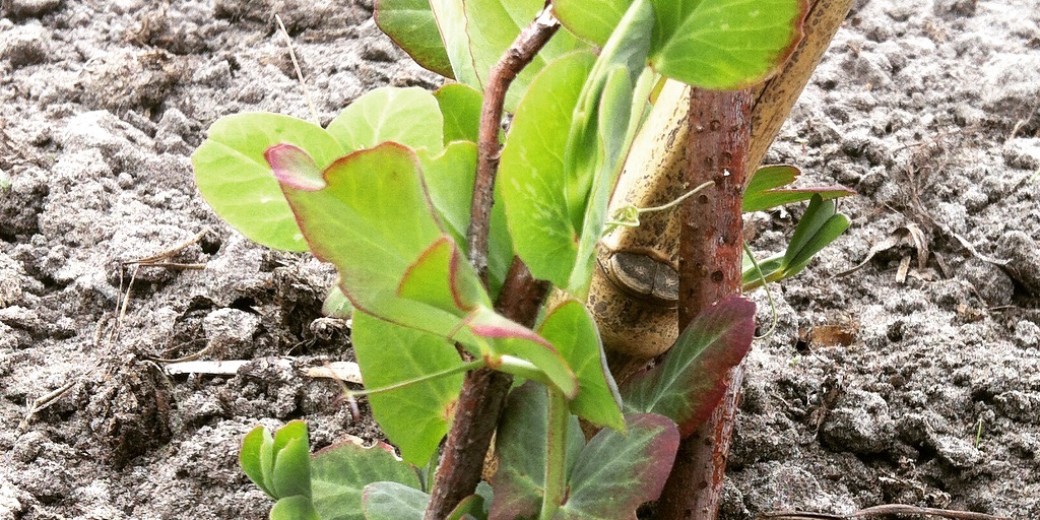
x: 710, y: 249
x: 480, y: 403
x: 524, y: 48
x: 484, y: 391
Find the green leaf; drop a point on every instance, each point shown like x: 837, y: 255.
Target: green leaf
x: 819, y: 226
x: 414, y: 417
x: 508, y: 338
x: 611, y: 109
x: 592, y: 20
x: 572, y: 330
x: 236, y: 180
x: 471, y: 508
x: 718, y: 44
x: 763, y: 191
x: 408, y: 116
x: 451, y: 20
x: 690, y: 381
x: 372, y: 220
x: 449, y: 178
x: 460, y: 106
x: 617, y: 472
x: 725, y: 44
x: 520, y: 447
x: 340, y: 472
x: 532, y: 170
x: 393, y: 501
x: 492, y: 25
x: 411, y: 25
x: 250, y: 457
x: 294, y: 508
x: 291, y: 474
x: 442, y: 278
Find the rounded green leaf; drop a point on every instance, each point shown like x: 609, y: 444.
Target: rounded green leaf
x: 340, y: 473
x: 290, y: 475
x: 592, y: 20
x: 249, y: 457
x: 236, y: 180
x: 725, y: 44
x: 414, y: 417
x: 408, y: 116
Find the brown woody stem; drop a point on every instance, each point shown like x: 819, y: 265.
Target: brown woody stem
x: 710, y: 248
x: 524, y: 48
x: 484, y: 391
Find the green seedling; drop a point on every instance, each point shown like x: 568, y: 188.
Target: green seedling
x: 384, y: 193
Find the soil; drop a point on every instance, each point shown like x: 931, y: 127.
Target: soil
x: 875, y: 387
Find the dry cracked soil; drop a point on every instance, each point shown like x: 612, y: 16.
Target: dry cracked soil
x: 915, y: 379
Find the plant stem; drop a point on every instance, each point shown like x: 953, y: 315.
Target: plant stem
x: 520, y: 53
x: 484, y: 390
x: 555, y: 454
x: 710, y: 269
x: 480, y: 403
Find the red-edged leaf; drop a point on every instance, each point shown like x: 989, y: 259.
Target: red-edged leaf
x: 372, y: 219
x: 508, y: 338
x: 617, y: 472
x: 763, y: 191
x: 520, y: 449
x: 443, y: 279
x: 690, y: 380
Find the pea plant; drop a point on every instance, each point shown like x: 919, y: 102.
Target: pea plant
x: 466, y: 249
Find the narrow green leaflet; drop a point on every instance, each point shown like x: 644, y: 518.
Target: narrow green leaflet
x: 617, y: 472
x: 236, y: 181
x: 572, y: 330
x: 291, y: 470
x: 393, y: 501
x: 819, y: 226
x: 250, y: 457
x: 417, y: 416
x: 725, y: 44
x: 372, y: 219
x: 520, y: 449
x: 532, y: 170
x: 294, y: 508
x: 765, y: 190
x: 411, y: 25
x: 340, y: 473
x: 460, y: 106
x: 690, y: 381
x: 408, y: 116
x: 279, y: 464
